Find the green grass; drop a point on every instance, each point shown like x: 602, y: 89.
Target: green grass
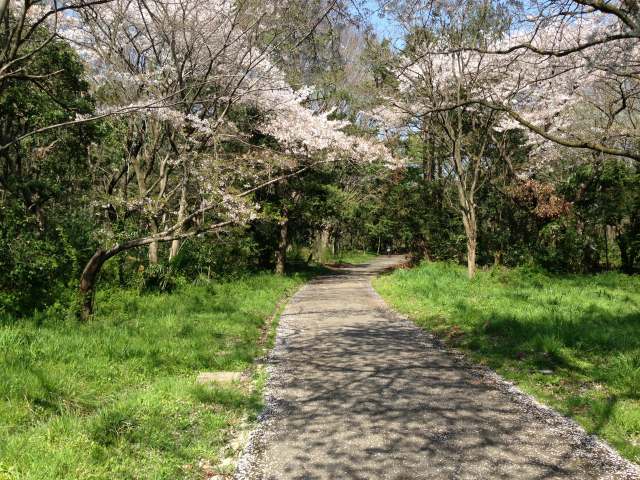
x: 572, y: 341
x: 353, y: 257
x: 116, y: 398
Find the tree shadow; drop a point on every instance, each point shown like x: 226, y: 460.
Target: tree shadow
x: 359, y: 393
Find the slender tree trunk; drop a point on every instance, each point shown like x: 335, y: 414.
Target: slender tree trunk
x: 283, y: 243
x: 470, y: 223
x: 606, y: 246
x: 153, y: 250
x: 471, y: 229
x: 121, y: 272
x: 471, y: 256
x: 175, y: 248
x: 626, y: 257
x: 428, y: 158
x: 40, y: 217
x: 175, y: 245
x: 426, y: 252
x: 466, y: 190
x: 4, y: 5
x: 322, y: 243
x: 88, y: 281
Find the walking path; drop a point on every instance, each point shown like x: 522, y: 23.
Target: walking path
x: 358, y: 392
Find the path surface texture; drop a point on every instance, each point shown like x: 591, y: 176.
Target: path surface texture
x: 358, y: 392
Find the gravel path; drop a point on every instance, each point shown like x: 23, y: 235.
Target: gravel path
x: 358, y: 392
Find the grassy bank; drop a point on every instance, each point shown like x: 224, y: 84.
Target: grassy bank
x: 116, y: 398
x: 572, y: 341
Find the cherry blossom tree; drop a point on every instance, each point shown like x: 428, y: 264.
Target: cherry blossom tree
x: 185, y: 71
x: 183, y: 88
x: 582, y: 97
x: 565, y: 71
x: 434, y: 92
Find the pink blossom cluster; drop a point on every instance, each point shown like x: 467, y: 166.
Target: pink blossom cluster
x: 583, y: 93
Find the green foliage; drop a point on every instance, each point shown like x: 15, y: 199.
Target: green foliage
x: 38, y: 266
x: 229, y: 254
x: 116, y: 398
x: 571, y: 340
x: 45, y: 228
x: 157, y: 278
x: 607, y: 193
x: 560, y: 247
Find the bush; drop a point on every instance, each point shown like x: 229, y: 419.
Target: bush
x: 38, y: 267
x: 229, y: 255
x: 157, y: 278
x: 560, y: 247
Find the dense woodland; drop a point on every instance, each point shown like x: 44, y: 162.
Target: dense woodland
x: 147, y: 143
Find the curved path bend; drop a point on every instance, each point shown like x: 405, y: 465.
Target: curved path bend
x: 358, y: 392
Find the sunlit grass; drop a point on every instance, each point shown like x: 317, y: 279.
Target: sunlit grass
x: 116, y: 398
x: 352, y: 257
x: 573, y: 341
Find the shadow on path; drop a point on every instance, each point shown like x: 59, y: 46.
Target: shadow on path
x: 356, y: 392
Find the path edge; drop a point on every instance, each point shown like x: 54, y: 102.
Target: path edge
x: 249, y: 460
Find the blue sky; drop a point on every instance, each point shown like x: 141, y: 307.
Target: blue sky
x: 383, y: 25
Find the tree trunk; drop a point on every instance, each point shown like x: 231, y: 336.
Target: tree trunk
x: 606, y: 246
x: 122, y: 280
x: 471, y: 230
x: 40, y: 217
x: 175, y: 248
x: 322, y: 244
x: 88, y: 282
x: 175, y: 245
x: 471, y: 256
x: 92, y: 269
x: 626, y: 256
x: 153, y: 252
x: 153, y: 246
x: 421, y: 249
x: 428, y: 158
x: 4, y: 4
x: 283, y: 243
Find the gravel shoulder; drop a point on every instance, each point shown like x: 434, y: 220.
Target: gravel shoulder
x: 357, y: 391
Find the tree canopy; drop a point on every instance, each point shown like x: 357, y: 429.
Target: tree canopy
x: 142, y: 140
